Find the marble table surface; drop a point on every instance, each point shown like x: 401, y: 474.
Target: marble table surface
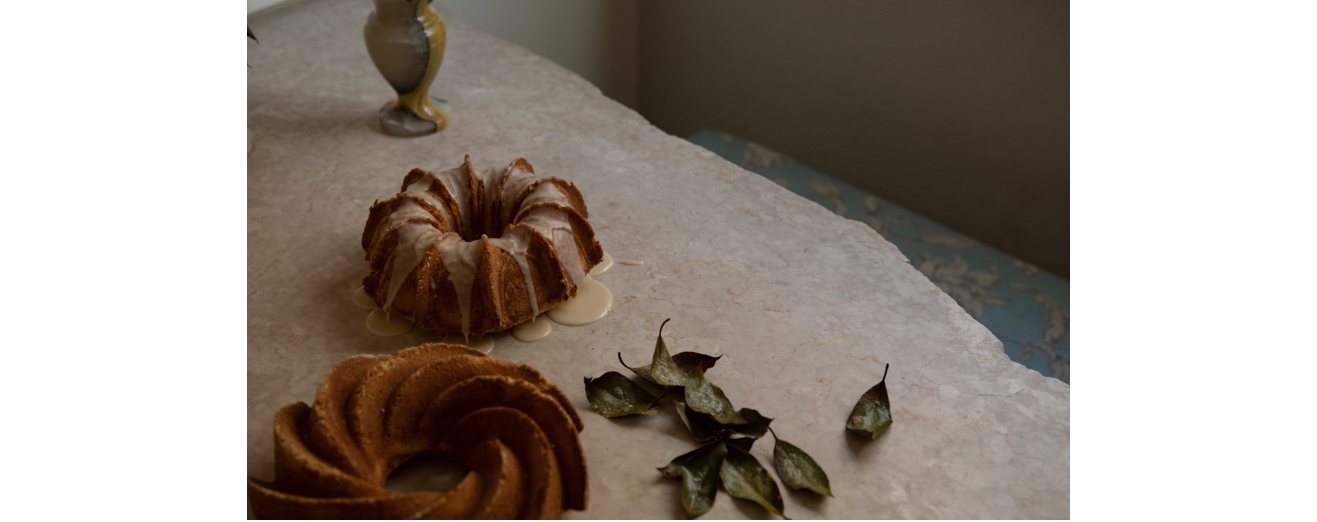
x: 805, y: 306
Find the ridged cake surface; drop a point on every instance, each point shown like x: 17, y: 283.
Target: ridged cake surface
x: 478, y: 249
x: 513, y: 431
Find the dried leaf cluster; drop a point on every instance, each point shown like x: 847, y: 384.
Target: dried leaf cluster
x: 729, y: 433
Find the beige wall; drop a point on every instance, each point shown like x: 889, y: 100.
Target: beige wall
x: 596, y: 39
x: 958, y: 110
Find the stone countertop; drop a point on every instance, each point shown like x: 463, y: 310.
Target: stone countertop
x: 806, y: 306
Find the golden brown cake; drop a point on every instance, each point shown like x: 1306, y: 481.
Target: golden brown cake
x: 478, y: 249
x: 513, y: 431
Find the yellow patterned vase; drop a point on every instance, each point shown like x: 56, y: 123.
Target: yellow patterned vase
x: 405, y: 39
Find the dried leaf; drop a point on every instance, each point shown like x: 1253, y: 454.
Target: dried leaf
x: 613, y: 395
x: 873, y: 413
x: 702, y: 427
x: 698, y: 470
x: 252, y: 35
x: 642, y: 371
x: 689, y: 361
x: 743, y: 477
x: 742, y: 443
x: 797, y: 469
x: 686, y: 361
x: 704, y: 397
x: 673, y: 469
x: 664, y: 369
x: 749, y: 422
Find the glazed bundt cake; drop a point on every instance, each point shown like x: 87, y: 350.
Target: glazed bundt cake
x: 513, y: 431
x: 478, y: 249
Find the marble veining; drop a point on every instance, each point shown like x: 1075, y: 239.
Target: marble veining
x: 806, y: 306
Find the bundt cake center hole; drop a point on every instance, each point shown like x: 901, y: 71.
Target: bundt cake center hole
x: 425, y: 474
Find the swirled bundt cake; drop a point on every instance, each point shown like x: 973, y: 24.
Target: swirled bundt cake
x: 513, y: 431
x: 478, y: 249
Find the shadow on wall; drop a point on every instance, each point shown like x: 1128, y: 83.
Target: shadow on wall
x: 956, y: 110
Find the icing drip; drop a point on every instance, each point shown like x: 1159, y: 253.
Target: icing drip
x: 362, y: 300
x: 592, y: 302
x: 603, y: 266
x: 516, y: 241
x: 553, y: 225
x: 518, y: 180
x: 383, y: 324
x: 406, y: 211
x: 459, y: 187
x: 421, y: 188
x: 533, y: 330
x: 419, y: 237
x: 460, y: 261
x: 545, y: 192
x: 565, y: 243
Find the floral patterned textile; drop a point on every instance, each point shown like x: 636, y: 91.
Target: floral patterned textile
x: 1027, y: 308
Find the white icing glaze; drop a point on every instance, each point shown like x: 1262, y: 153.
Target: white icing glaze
x: 459, y: 259
x: 407, y: 209
x: 518, y: 180
x: 630, y: 262
x: 384, y: 324
x: 421, y: 189
x: 603, y: 266
x: 545, y: 192
x: 516, y: 241
x: 532, y: 330
x: 419, y: 237
x: 362, y: 300
x: 552, y: 223
x: 592, y: 302
x: 458, y: 184
x: 564, y: 241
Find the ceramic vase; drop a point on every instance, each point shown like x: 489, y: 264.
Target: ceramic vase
x: 405, y: 39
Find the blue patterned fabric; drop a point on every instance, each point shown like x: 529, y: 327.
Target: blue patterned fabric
x: 1028, y: 309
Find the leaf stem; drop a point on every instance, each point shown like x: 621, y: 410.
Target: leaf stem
x: 619, y: 359
x: 665, y: 322
x: 770, y: 430
x: 879, y: 382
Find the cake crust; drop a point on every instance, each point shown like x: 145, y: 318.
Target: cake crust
x: 513, y: 431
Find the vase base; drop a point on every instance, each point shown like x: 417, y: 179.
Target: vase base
x: 398, y: 121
